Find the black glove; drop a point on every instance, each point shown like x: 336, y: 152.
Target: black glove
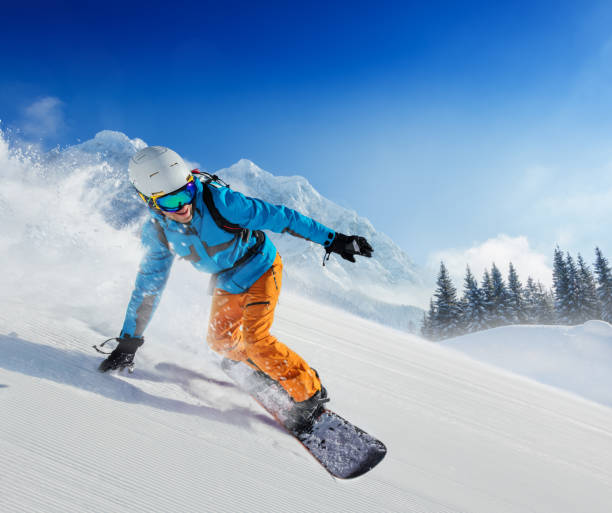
x: 349, y: 245
x: 123, y: 355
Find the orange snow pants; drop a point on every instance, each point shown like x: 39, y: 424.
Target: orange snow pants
x: 239, y: 329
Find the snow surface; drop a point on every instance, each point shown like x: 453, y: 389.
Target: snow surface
x: 177, y: 436
x: 574, y: 358
x: 463, y: 436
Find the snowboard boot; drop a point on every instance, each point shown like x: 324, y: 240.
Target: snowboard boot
x: 301, y: 417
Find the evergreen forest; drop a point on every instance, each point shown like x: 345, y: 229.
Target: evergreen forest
x: 579, y: 293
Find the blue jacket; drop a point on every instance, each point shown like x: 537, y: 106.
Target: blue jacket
x: 211, y: 249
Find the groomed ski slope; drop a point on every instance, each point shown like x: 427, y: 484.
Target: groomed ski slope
x: 177, y: 436
x: 574, y: 358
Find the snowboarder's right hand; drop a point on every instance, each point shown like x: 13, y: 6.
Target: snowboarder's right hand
x: 123, y: 355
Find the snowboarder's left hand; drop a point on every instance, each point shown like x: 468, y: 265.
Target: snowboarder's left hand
x: 123, y: 355
x: 347, y: 246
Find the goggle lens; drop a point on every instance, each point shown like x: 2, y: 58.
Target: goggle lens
x: 177, y: 200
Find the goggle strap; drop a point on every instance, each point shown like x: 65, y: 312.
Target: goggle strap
x: 150, y: 202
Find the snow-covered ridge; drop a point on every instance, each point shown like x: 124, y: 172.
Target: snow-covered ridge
x: 94, y: 174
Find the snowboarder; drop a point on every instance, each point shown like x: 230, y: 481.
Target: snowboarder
x: 218, y: 231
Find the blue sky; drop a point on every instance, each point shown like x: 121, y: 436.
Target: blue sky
x: 453, y: 126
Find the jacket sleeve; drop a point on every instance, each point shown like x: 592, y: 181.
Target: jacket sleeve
x: 150, y: 280
x: 256, y: 214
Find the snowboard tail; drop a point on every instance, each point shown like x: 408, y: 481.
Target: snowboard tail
x: 343, y: 449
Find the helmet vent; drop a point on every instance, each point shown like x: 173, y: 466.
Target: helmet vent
x: 157, y: 167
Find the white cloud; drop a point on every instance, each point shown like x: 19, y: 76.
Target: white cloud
x: 43, y: 118
x: 501, y: 250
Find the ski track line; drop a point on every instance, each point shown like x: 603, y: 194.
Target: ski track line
x: 41, y: 331
x: 143, y: 384
x: 56, y: 466
x: 398, y: 502
x: 531, y: 451
x: 412, y: 346
x: 437, y: 379
x: 461, y: 382
x: 477, y: 392
x: 430, y: 373
x: 44, y: 448
x: 47, y: 334
x: 503, y: 427
x: 435, y: 355
x: 504, y: 379
x: 500, y: 426
x: 452, y: 384
x: 424, y: 351
x: 51, y: 486
x: 390, y: 493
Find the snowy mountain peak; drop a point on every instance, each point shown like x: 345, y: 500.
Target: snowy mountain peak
x: 109, y: 144
x: 248, y: 166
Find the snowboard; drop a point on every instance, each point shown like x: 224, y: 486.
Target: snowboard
x: 343, y: 449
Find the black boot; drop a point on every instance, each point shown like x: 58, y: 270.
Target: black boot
x: 303, y: 414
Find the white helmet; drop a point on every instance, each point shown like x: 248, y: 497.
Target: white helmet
x: 157, y: 170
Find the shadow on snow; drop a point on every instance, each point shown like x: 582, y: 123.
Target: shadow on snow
x: 79, y: 370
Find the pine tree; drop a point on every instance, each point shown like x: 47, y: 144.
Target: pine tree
x: 516, y: 310
x: 545, y: 305
x: 462, y: 326
x: 474, y: 313
x: 427, y: 329
x: 561, y: 288
x: 574, y: 294
x: 538, y: 302
x: 589, y: 303
x: 488, y: 299
x: 604, y: 285
x: 500, y: 297
x: 446, y: 306
x: 530, y: 298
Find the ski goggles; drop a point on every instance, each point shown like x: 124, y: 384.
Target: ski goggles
x: 175, y: 200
